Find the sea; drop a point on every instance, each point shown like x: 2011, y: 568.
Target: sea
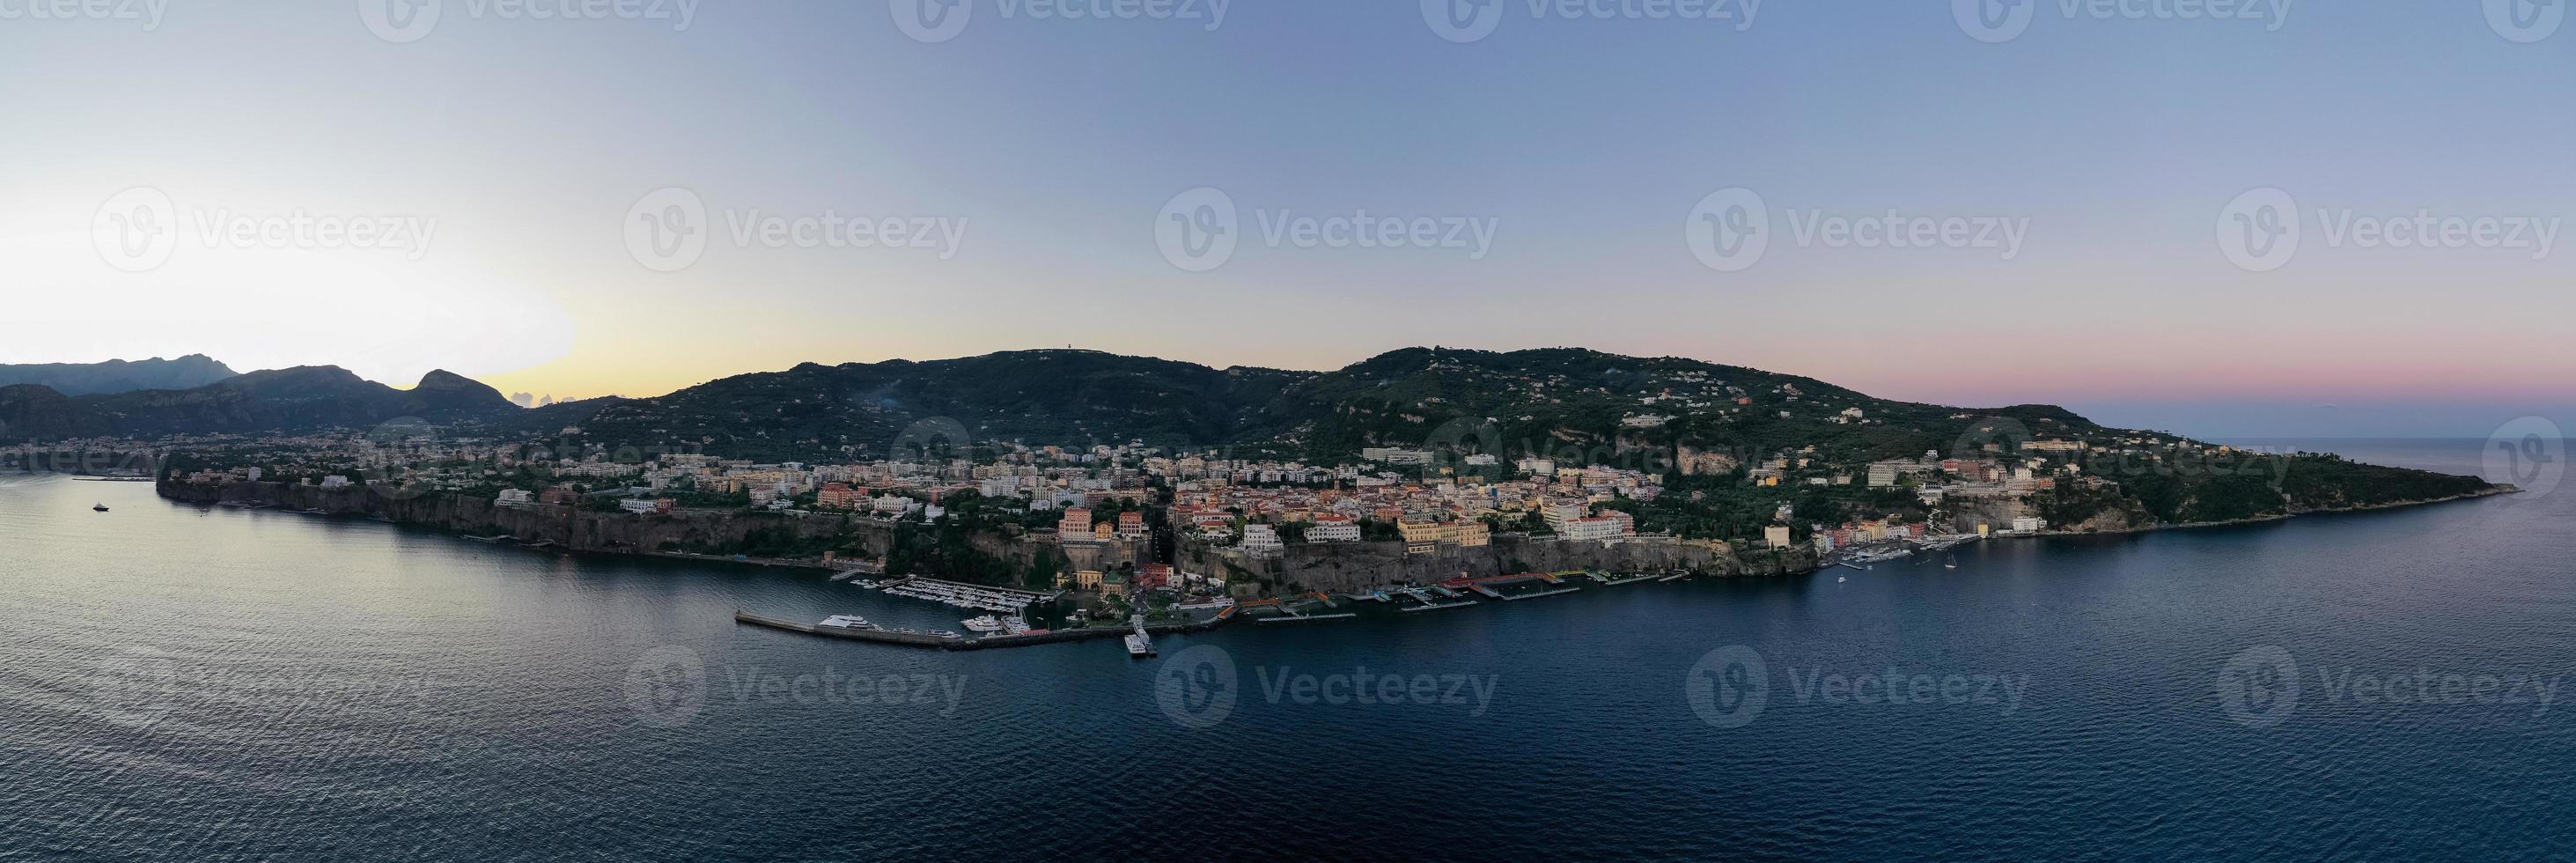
x: 186, y: 682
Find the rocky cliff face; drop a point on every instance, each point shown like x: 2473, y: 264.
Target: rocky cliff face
x: 1338, y: 567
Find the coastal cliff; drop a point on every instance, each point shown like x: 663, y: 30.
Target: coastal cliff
x: 1339, y: 567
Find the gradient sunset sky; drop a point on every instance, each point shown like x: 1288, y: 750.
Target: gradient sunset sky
x: 1585, y: 141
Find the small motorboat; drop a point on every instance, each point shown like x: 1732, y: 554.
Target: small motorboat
x: 98, y: 507
x: 1951, y: 563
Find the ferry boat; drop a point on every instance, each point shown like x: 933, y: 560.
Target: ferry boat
x: 986, y: 623
x: 1139, y: 646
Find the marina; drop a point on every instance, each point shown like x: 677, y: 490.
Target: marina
x: 974, y: 596
x: 1538, y: 594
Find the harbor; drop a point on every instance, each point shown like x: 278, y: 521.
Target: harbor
x: 1136, y: 636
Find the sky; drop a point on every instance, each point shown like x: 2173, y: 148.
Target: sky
x: 2328, y: 219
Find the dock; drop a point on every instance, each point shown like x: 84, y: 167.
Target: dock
x: 1428, y: 603
x: 933, y: 642
x: 1300, y: 617
x: 1519, y: 596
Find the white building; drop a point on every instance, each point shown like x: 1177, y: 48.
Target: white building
x: 1261, y: 539
x: 1333, y: 531
x: 1598, y: 527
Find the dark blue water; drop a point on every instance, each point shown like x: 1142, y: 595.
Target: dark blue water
x: 217, y: 684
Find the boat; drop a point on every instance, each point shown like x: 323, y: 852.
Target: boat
x: 986, y: 623
x: 1139, y: 646
x: 848, y: 621
x: 98, y: 507
x: 1015, y: 625
x: 1840, y: 579
x: 1951, y: 563
x: 945, y: 633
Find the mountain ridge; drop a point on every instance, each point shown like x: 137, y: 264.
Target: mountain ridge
x: 119, y: 376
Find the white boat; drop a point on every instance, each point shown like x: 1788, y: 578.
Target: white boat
x: 986, y: 623
x: 1139, y: 646
x: 848, y: 621
x: 1839, y: 579
x: 1015, y: 625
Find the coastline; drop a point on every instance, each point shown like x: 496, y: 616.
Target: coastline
x: 2490, y: 491
x: 570, y: 528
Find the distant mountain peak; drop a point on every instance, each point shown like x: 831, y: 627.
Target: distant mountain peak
x: 119, y: 376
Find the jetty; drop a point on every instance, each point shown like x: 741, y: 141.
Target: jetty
x: 933, y: 642
x: 1538, y: 594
